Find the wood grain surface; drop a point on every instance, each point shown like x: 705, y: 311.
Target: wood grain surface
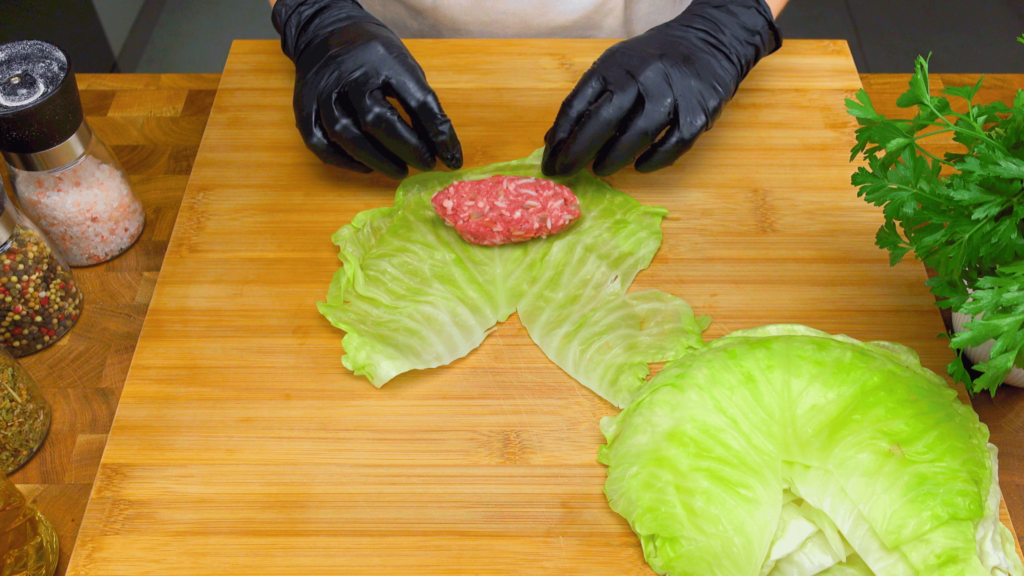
x: 294, y: 500
x: 154, y: 125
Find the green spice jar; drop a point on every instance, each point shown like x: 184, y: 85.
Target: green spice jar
x: 39, y: 300
x: 24, y: 415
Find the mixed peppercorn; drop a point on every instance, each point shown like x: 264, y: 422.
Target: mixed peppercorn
x: 39, y: 301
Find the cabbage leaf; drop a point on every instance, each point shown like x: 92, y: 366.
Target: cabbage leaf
x: 787, y: 451
x: 411, y: 294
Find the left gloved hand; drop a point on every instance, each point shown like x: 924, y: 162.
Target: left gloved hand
x: 347, y: 63
x: 675, y: 78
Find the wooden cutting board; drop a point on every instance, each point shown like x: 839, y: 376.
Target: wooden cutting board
x: 241, y: 445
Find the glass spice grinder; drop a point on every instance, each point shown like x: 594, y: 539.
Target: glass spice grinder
x: 39, y: 298
x: 66, y: 179
x: 24, y: 416
x: 28, y: 543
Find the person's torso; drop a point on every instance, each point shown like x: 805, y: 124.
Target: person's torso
x: 523, y: 18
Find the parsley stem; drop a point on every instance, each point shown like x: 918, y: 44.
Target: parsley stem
x: 927, y: 134
x: 963, y: 238
x: 932, y: 156
x: 929, y: 154
x: 971, y: 132
x: 948, y: 127
x: 914, y: 191
x: 912, y: 121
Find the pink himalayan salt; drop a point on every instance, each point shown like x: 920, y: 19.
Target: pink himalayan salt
x: 88, y: 210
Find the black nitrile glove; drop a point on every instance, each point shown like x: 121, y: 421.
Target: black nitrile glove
x: 675, y: 78
x: 347, y: 63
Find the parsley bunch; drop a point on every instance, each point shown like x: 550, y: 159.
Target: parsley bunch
x: 969, y: 225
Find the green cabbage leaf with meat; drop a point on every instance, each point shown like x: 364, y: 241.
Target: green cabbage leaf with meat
x: 411, y: 294
x: 784, y: 451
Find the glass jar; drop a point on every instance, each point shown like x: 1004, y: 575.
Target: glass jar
x: 28, y: 543
x: 24, y: 415
x: 64, y: 176
x: 39, y: 299
x: 87, y: 208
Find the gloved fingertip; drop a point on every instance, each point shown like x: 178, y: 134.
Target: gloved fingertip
x: 327, y: 153
x: 423, y: 158
x: 662, y: 159
x: 549, y: 162
x: 605, y: 170
x: 553, y: 145
x: 607, y: 164
x: 449, y: 150
x: 453, y: 160
x: 676, y: 142
x: 346, y: 165
x: 399, y: 174
x: 424, y: 164
x: 648, y: 163
x: 647, y: 168
x: 556, y: 168
x: 448, y: 147
x: 554, y: 162
x: 568, y: 165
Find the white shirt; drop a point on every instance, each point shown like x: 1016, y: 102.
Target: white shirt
x: 523, y: 18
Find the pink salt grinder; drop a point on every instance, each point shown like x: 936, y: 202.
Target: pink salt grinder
x: 65, y: 178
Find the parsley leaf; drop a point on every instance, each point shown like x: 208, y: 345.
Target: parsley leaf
x: 968, y: 225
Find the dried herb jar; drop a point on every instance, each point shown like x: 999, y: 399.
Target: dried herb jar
x: 39, y: 299
x: 28, y: 543
x: 24, y: 415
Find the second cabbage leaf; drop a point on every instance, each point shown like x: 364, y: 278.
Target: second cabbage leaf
x: 814, y: 454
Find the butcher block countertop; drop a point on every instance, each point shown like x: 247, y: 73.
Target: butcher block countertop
x: 241, y: 446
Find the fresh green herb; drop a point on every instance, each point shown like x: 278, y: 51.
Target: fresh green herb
x: 967, y: 225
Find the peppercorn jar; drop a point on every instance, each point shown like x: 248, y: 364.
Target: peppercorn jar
x: 65, y: 177
x: 28, y: 543
x: 24, y: 415
x: 39, y: 299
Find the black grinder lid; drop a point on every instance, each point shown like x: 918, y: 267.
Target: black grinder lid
x: 39, y: 103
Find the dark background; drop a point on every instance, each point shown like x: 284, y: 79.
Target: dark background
x: 886, y: 35
x: 194, y: 35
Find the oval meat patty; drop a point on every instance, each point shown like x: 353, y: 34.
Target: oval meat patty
x: 506, y: 209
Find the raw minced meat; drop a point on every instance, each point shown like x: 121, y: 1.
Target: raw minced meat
x: 506, y: 209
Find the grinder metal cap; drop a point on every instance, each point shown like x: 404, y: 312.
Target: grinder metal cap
x: 41, y: 121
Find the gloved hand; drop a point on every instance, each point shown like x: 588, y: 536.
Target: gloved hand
x: 675, y: 78
x: 347, y: 63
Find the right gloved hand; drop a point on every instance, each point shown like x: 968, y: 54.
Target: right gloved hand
x: 347, y: 63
